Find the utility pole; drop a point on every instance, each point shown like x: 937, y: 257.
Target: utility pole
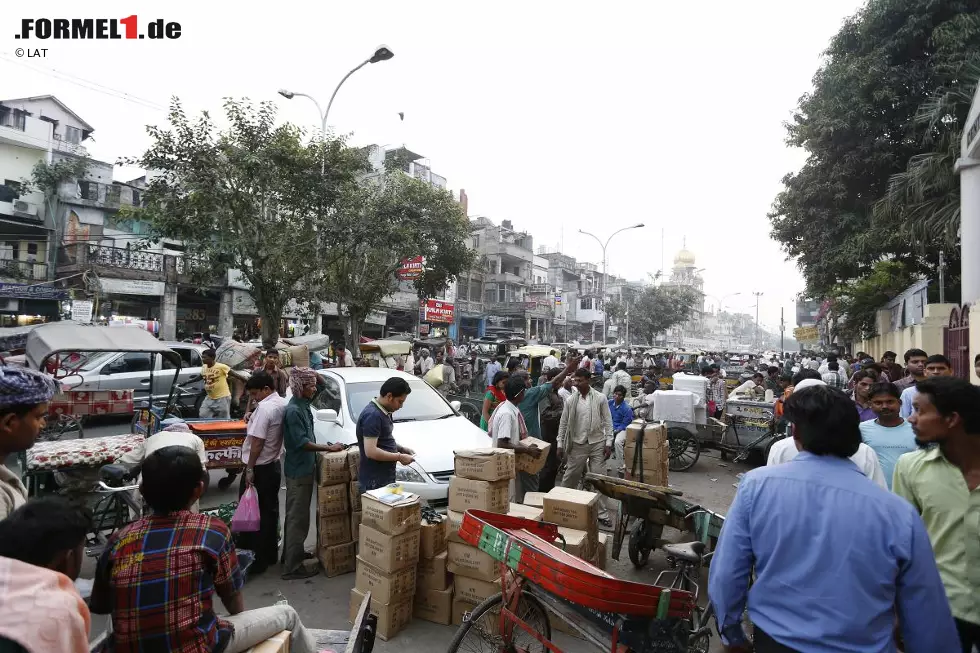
x: 782, y: 330
x: 757, y: 296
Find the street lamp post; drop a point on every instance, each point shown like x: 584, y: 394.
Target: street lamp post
x: 381, y: 53
x: 757, y: 296
x: 602, y: 297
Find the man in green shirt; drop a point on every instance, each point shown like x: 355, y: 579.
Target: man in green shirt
x: 530, y: 406
x: 943, y: 483
x: 299, y: 466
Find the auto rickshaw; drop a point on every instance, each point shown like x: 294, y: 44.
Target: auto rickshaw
x: 535, y: 355
x: 376, y: 351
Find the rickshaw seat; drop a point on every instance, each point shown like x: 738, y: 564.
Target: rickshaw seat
x: 687, y: 551
x: 116, y: 475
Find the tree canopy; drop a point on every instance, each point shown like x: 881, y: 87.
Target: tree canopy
x: 879, y: 127
x: 658, y: 308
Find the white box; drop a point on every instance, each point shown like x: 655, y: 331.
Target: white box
x: 673, y: 406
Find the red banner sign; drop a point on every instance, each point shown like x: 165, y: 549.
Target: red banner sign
x: 411, y: 268
x: 434, y: 310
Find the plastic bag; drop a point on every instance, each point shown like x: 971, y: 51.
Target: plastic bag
x: 246, y: 518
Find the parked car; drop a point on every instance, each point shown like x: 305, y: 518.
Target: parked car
x: 131, y: 371
x: 428, y: 424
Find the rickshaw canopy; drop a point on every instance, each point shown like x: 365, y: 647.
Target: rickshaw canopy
x: 534, y: 351
x: 387, y: 347
x: 66, y: 337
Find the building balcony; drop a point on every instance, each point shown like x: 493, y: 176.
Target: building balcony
x: 125, y: 263
x: 67, y: 147
x: 522, y: 308
x: 22, y: 209
x: 506, y: 277
x: 23, y: 270
x: 510, y: 250
x: 24, y: 131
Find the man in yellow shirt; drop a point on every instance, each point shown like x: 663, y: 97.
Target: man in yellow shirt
x: 217, y: 403
x: 942, y: 481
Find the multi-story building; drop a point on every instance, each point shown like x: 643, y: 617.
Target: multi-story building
x: 578, y: 285
x: 686, y: 274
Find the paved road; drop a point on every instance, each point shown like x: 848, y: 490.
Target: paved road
x: 323, y: 602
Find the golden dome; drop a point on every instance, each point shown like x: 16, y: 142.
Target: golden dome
x: 684, y: 257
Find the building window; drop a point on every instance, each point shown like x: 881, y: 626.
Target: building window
x: 89, y: 190
x: 32, y: 252
x: 73, y: 135
x: 15, y: 119
x: 136, y: 197
x: 585, y: 303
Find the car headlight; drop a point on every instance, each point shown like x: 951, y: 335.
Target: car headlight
x: 409, y: 474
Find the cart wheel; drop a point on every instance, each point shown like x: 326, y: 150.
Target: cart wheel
x: 639, y: 545
x: 684, y: 449
x: 480, y: 630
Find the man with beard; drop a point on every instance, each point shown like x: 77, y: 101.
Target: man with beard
x: 889, y: 435
x: 942, y: 482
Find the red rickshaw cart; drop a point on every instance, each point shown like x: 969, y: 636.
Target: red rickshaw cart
x: 540, y: 580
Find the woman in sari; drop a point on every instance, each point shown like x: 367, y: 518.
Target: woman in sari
x: 493, y: 397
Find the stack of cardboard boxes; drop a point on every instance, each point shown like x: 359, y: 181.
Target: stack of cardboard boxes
x: 338, y: 508
x: 388, y: 552
x: 576, y: 513
x: 648, y: 442
x: 482, y: 482
x: 433, y: 583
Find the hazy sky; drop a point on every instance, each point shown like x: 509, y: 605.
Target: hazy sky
x: 558, y: 116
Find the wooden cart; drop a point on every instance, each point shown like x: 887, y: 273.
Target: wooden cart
x: 645, y: 509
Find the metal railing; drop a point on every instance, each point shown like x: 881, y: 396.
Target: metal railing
x: 118, y: 257
x: 14, y: 269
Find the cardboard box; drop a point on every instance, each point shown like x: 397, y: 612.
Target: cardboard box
x: 474, y: 589
x: 465, y: 493
x: 455, y: 521
x: 391, y: 519
x: 336, y: 560
x: 527, y: 512
x: 334, y: 529
x: 331, y: 500
x: 535, y: 499
x: 461, y: 607
x: 485, y: 464
x: 469, y: 561
x: 580, y: 544
x: 655, y: 464
x: 354, y: 493
x: 388, y: 552
x: 434, y: 605
x: 433, y: 574
x: 392, y: 617
x: 385, y: 588
x: 353, y: 462
x: 278, y: 643
x: 557, y: 623
x: 355, y: 525
x: 572, y: 508
x: 432, y: 539
x: 653, y: 434
x: 332, y: 467
x: 530, y: 464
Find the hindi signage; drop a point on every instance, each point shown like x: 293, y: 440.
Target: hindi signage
x: 806, y: 334
x: 411, y: 268
x: 435, y: 310
x: 81, y: 310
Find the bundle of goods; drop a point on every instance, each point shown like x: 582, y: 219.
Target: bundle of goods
x: 482, y: 481
x: 338, y: 510
x: 387, y: 558
x: 646, y: 453
x: 237, y: 355
x: 433, y: 584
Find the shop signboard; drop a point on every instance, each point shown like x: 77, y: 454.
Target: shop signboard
x: 132, y: 287
x: 411, y: 268
x: 806, y: 334
x: 436, y: 310
x: 24, y: 291
x: 81, y: 310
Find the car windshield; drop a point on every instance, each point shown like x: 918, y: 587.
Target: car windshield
x: 422, y: 404
x: 85, y: 361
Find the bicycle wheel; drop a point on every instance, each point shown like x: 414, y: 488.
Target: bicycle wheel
x: 479, y: 633
x: 684, y: 449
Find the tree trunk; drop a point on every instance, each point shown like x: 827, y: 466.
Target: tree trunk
x: 271, y: 314
x: 354, y: 344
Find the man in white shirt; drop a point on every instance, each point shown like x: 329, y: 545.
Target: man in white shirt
x: 565, y: 391
x: 550, y: 362
x: 491, y: 371
x: 507, y: 428
x: 866, y: 459
x: 585, y: 363
x: 426, y: 363
x: 621, y: 377
x: 344, y: 359
x: 749, y: 388
x: 260, y: 453
x: 585, y: 435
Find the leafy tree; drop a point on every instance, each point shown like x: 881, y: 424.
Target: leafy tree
x: 658, y: 308
x: 859, y: 126
x: 858, y: 303
x: 250, y: 197
x: 380, y: 223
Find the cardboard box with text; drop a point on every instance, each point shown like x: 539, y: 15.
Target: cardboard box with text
x: 392, y: 617
x: 332, y: 468
x: 331, y: 500
x: 385, y: 588
x: 432, y: 540
x: 572, y: 508
x: 336, y: 560
x: 529, y: 464
x: 485, y: 464
x: 355, y: 496
x: 388, y: 552
x: 433, y: 573
x: 469, y: 561
x: 434, y: 605
x: 474, y: 589
x: 492, y: 496
x: 334, y: 529
x: 391, y: 519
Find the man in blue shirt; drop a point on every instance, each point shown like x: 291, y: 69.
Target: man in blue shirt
x: 836, y: 557
x: 622, y: 415
x: 379, y: 451
x: 889, y: 435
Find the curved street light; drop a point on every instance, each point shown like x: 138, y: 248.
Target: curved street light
x: 602, y: 291
x: 381, y: 53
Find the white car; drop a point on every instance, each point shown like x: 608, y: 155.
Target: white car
x: 427, y: 424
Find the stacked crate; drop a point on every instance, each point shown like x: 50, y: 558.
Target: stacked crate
x: 433, y: 584
x: 482, y: 482
x: 335, y: 541
x: 388, y: 552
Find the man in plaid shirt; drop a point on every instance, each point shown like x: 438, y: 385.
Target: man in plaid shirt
x: 717, y: 390
x: 833, y: 376
x: 158, y: 576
